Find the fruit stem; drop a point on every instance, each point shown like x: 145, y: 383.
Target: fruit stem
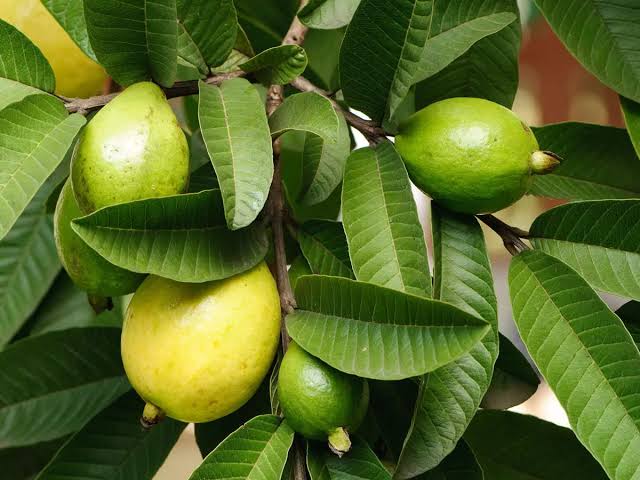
x: 151, y: 415
x: 339, y: 441
x: 543, y: 162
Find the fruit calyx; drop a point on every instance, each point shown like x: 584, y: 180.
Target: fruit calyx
x: 339, y: 441
x: 544, y: 162
x: 151, y: 415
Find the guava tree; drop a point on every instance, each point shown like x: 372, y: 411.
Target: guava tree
x: 395, y: 366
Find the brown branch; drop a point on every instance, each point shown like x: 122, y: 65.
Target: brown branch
x: 511, y: 236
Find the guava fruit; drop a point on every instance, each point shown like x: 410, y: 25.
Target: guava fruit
x: 471, y: 155
x: 76, y: 74
x: 320, y: 402
x: 85, y: 267
x: 132, y: 149
x: 199, y: 351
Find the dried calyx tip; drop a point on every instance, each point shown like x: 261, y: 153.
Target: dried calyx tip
x: 543, y: 162
x: 151, y: 416
x: 339, y: 441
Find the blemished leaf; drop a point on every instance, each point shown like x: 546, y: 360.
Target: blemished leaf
x: 598, y: 239
x: 386, y: 241
x: 631, y: 112
x: 376, y: 332
x: 328, y: 14
x: 306, y: 112
x: 207, y: 31
x: 511, y: 446
x: 379, y: 58
x: 450, y: 396
x: 489, y: 69
x: 583, y: 149
x: 52, y: 384
x: 12, y: 91
x: 134, y: 41
x: 461, y: 464
x: 603, y: 36
x: 183, y: 237
x: 629, y: 313
x: 112, y: 445
x: 324, y: 245
x: 235, y: 130
x: 35, y: 134
x: 586, y: 355
x: 70, y: 15
x: 277, y: 65
x: 22, y: 61
x: 514, y: 379
x: 359, y: 463
x: 257, y: 450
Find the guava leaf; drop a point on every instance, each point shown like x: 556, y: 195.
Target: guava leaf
x: 306, y: 112
x: 450, y: 396
x: 182, y: 237
x: 328, y: 14
x: 629, y: 313
x: 22, y: 61
x: 257, y: 450
x: 631, y: 112
x: 321, y: 47
x: 603, y: 35
x: 359, y: 463
x: 386, y: 241
x: 24, y: 463
x: 583, y: 148
x: 461, y: 464
x: 12, y: 91
x: 376, y: 332
x: 266, y: 21
x: 324, y: 245
x: 598, y: 239
x: 52, y: 384
x: 70, y: 15
x: 235, y: 131
x: 586, y: 355
x: 277, y: 65
x: 35, y: 134
x: 134, y: 41
x: 113, y: 445
x: 510, y: 445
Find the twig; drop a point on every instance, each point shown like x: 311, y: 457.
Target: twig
x: 511, y: 236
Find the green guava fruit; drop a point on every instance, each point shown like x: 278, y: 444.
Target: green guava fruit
x: 199, y: 351
x: 132, y: 149
x: 471, y: 155
x: 85, y: 267
x: 320, y: 402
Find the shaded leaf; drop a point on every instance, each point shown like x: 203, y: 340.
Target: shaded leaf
x: 461, y: 464
x: 631, y: 112
x: 328, y: 14
x: 629, y: 313
x: 266, y: 21
x: 24, y: 463
x: 359, y: 463
x: 298, y: 268
x: 321, y: 46
x: 70, y: 15
x: 277, y: 65
x: 308, y: 112
x: 324, y: 245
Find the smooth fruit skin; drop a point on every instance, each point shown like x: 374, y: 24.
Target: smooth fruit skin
x: 470, y: 155
x: 76, y: 74
x: 87, y: 269
x: 316, y: 399
x: 199, y: 351
x: 132, y: 149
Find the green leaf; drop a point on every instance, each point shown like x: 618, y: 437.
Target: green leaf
x: 631, y: 112
x: 359, y: 463
x: 324, y: 245
x: 50, y: 385
x: 236, y: 133
x: 379, y: 57
x: 298, y: 268
x: 584, y: 352
x: 489, y: 69
x: 603, y: 35
x: 112, y: 445
x: 386, y: 241
x: 182, y: 237
x: 22, y: 61
x: 514, y: 379
x: 207, y: 31
x: 307, y: 112
x: 24, y: 463
x: 510, y: 446
x: 629, y: 313
x: 257, y: 450
x: 461, y: 464
x: 134, y: 41
x: 277, y: 65
x: 11, y: 92
x: 321, y: 46
x: 328, y: 14
x: 597, y: 238
x: 375, y: 332
x: 583, y: 149
x: 450, y: 396
x: 35, y: 134
x: 70, y: 15
x: 266, y: 21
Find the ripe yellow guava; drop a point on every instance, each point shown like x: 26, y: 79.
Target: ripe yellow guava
x: 471, y: 155
x: 76, y: 74
x: 199, y: 351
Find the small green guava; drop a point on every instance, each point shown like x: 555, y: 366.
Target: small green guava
x: 471, y: 155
